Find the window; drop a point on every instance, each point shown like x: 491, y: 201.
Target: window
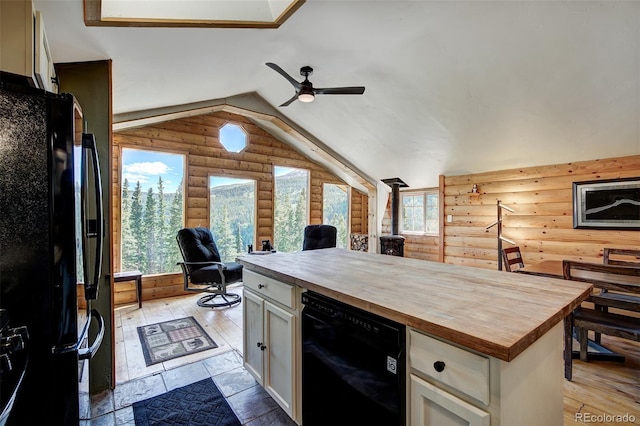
x: 151, y: 210
x: 232, y: 214
x: 335, y: 210
x: 420, y: 212
x: 232, y: 137
x: 291, y: 208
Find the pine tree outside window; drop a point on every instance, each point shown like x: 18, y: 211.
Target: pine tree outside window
x: 291, y: 212
x: 420, y: 212
x: 232, y: 215
x: 151, y: 210
x: 335, y: 210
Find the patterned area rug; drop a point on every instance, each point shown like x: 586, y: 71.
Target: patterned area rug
x: 199, y: 403
x: 172, y: 339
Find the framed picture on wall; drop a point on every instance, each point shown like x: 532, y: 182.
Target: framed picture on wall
x: 607, y: 204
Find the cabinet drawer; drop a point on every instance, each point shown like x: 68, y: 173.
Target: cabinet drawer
x: 460, y: 369
x: 268, y: 287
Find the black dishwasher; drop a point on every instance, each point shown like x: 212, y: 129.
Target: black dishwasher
x: 353, y: 365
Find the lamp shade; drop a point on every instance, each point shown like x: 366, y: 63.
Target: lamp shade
x: 305, y: 97
x: 306, y: 94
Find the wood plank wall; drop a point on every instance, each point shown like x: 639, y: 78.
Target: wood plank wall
x: 542, y: 225
x: 197, y: 138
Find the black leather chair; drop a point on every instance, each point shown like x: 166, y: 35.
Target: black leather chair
x: 319, y: 237
x: 203, y: 271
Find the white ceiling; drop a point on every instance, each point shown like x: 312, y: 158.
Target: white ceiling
x: 452, y: 87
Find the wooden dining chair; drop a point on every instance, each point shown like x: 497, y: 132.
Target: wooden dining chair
x: 621, y: 257
x: 618, y: 257
x: 511, y: 256
x: 621, y: 283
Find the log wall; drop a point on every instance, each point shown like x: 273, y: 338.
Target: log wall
x: 197, y: 138
x: 542, y: 224
x: 359, y: 212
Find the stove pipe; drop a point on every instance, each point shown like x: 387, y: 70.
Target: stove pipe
x: 395, y: 184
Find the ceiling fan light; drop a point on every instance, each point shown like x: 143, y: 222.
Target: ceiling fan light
x: 305, y: 97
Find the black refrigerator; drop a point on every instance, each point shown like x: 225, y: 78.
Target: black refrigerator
x: 51, y: 231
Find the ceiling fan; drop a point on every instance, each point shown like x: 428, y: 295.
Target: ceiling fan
x: 305, y: 92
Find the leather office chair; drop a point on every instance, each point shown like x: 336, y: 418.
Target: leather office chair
x: 203, y: 271
x: 319, y: 237
x: 512, y: 256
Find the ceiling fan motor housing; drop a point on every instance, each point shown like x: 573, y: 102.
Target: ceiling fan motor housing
x: 306, y: 71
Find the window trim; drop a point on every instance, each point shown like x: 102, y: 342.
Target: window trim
x: 424, y: 193
x: 242, y: 129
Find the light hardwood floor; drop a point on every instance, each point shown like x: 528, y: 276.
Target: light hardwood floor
x: 598, y: 388
x: 605, y: 388
x: 224, y: 326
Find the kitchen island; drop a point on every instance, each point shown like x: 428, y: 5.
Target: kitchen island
x: 502, y: 332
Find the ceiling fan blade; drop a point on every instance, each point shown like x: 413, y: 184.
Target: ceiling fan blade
x: 283, y: 73
x: 340, y: 90
x: 290, y: 100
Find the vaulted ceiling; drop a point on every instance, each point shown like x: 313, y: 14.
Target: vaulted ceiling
x: 452, y: 87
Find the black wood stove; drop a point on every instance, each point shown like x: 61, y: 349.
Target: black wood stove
x: 393, y: 244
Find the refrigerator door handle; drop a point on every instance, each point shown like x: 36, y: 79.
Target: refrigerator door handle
x: 84, y: 353
x: 88, y: 353
x: 95, y: 230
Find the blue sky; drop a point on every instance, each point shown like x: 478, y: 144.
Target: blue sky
x: 215, y: 181
x: 148, y: 166
x: 221, y: 180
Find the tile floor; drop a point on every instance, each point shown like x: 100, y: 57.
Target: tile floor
x: 251, y: 404
x: 136, y: 382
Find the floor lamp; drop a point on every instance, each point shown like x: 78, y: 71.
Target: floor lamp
x: 500, y: 237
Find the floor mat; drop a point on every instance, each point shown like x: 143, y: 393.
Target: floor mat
x: 172, y: 339
x: 199, y: 403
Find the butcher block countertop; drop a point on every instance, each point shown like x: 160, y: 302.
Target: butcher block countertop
x: 496, y: 313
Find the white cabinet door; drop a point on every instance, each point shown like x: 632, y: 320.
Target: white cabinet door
x: 431, y: 406
x: 25, y: 49
x: 43, y: 61
x: 279, y: 331
x: 269, y: 348
x: 253, y: 317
